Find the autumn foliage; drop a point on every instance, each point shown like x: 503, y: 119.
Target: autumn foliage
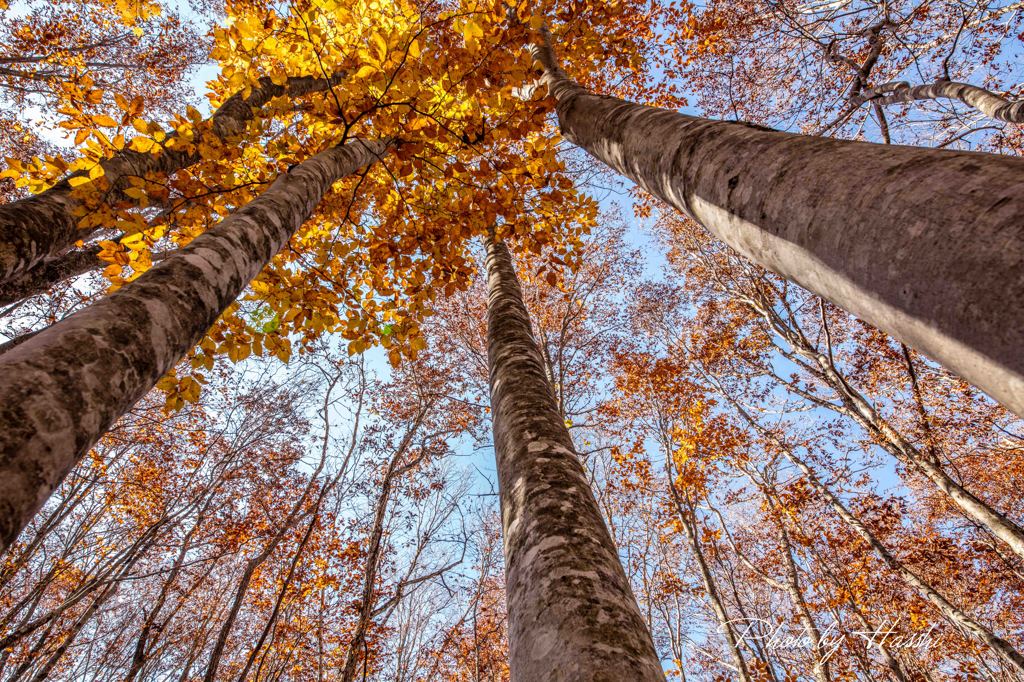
x: 310, y: 494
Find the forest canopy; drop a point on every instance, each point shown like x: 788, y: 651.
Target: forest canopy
x: 495, y: 340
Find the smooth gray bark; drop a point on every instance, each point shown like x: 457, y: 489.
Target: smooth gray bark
x: 40, y: 227
x: 64, y: 387
x: 571, y: 612
x: 925, y: 244
x: 985, y: 101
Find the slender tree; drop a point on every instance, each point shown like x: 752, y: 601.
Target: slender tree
x: 572, y: 614
x: 987, y: 102
x: 1004, y: 649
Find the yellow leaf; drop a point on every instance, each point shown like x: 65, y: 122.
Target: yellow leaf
x: 357, y: 346
x: 142, y: 144
x: 472, y: 30
x: 283, y: 353
x: 380, y: 47
x: 365, y: 71
x: 77, y: 180
x: 104, y: 120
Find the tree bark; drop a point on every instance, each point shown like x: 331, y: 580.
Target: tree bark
x: 64, y: 387
x: 40, y: 227
x: 49, y: 274
x: 925, y: 244
x: 985, y: 101
x: 572, y: 614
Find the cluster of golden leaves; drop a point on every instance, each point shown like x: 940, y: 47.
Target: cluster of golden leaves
x: 475, y: 149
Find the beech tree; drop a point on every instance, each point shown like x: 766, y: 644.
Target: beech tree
x: 846, y: 68
x: 756, y: 190
x: 152, y: 322
x: 571, y: 609
x: 736, y: 451
x: 717, y: 361
x: 279, y: 517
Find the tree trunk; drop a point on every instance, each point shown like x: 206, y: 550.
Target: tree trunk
x: 64, y: 387
x: 49, y: 274
x: 40, y: 227
x: 860, y: 409
x: 925, y: 244
x: 822, y: 669
x: 687, y: 519
x: 965, y: 623
x: 572, y: 614
x: 357, y: 648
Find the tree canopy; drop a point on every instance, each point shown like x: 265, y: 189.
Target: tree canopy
x: 726, y: 270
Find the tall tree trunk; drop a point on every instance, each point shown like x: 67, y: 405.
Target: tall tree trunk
x: 40, y: 227
x: 63, y: 388
x: 925, y: 244
x: 49, y: 274
x: 572, y: 614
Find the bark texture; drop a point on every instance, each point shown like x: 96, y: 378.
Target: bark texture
x: 925, y: 244
x: 985, y: 101
x: 49, y: 274
x: 572, y: 614
x: 42, y: 226
x: 62, y: 389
